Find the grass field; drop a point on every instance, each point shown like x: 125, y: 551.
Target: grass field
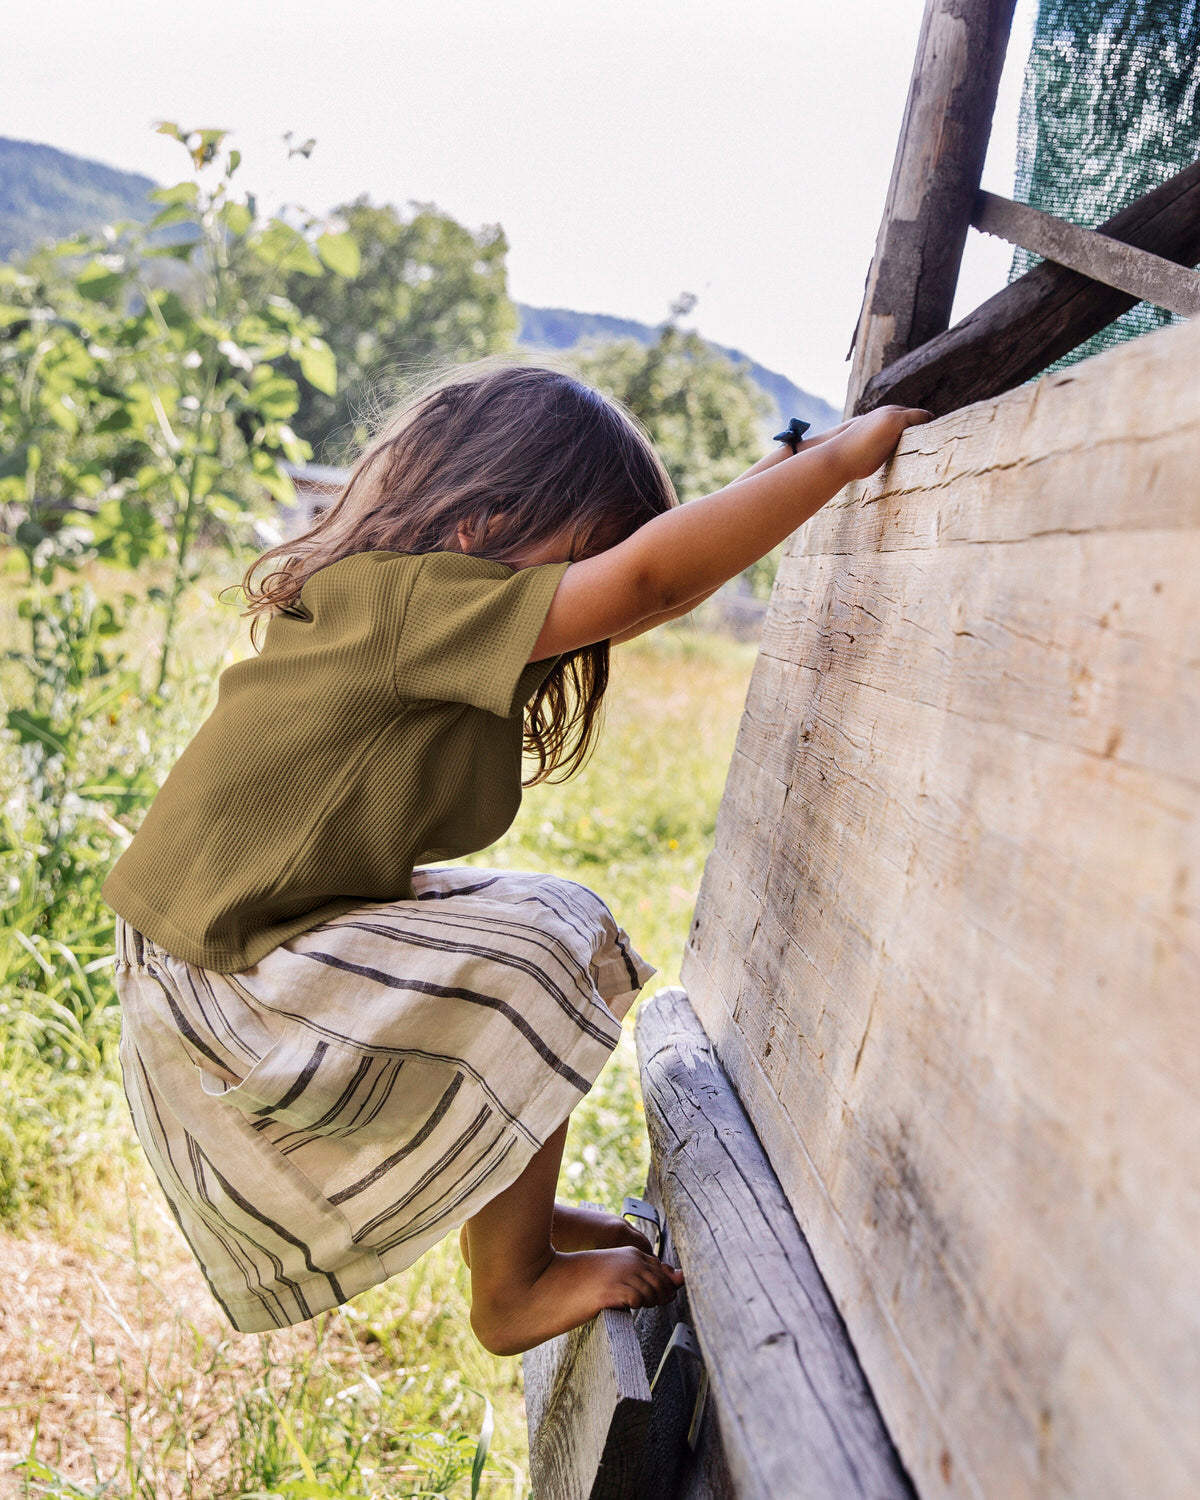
x: 119, y: 1377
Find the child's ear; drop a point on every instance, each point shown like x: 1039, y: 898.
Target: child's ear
x: 464, y: 536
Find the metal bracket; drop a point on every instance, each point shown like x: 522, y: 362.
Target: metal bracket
x: 638, y: 1208
x: 683, y: 1341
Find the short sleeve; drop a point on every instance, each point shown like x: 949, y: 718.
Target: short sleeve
x: 468, y: 628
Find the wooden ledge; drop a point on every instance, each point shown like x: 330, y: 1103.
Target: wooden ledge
x: 587, y: 1401
x: 796, y: 1416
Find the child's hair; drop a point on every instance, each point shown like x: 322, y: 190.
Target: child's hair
x: 519, y: 454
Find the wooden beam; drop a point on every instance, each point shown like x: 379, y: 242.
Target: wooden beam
x: 939, y: 159
x: 587, y: 1402
x: 1042, y: 316
x: 796, y: 1416
x: 1148, y: 277
x: 669, y: 1468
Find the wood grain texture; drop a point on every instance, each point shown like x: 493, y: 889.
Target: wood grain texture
x: 669, y: 1469
x: 939, y: 159
x: 1039, y: 317
x: 795, y: 1415
x: 1144, y: 275
x: 587, y: 1403
x: 948, y: 941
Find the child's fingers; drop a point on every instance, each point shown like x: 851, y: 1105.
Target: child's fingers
x: 657, y: 1282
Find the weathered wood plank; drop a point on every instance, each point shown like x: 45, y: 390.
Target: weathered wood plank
x: 795, y: 1414
x: 948, y: 943
x: 1143, y: 275
x: 939, y: 160
x: 669, y: 1468
x: 587, y: 1404
x: 1039, y: 317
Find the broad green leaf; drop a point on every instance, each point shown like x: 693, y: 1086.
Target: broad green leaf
x: 340, y: 254
x: 275, y: 396
x: 63, y: 414
x: 225, y: 508
x: 285, y: 247
x: 295, y: 449
x: 182, y: 251
x: 237, y: 218
x: 96, y: 284
x: 182, y: 192
x: 174, y: 213
x: 272, y: 478
x: 318, y: 366
x: 125, y: 531
x: 174, y: 312
x: 116, y: 421
x: 35, y: 729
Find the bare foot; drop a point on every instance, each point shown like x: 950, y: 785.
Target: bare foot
x: 582, y: 1229
x: 569, y: 1290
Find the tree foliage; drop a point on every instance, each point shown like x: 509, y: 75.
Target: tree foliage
x: 704, y: 412
x: 135, y: 418
x: 426, y: 289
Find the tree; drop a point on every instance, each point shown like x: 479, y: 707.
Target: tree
x: 160, y: 411
x: 427, y: 288
x: 704, y: 412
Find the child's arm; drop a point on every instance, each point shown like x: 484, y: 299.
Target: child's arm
x: 691, y: 550
x: 670, y: 614
x: 776, y: 455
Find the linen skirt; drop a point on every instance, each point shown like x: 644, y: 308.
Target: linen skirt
x: 319, y: 1120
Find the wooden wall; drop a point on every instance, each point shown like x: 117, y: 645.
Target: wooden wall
x: 948, y: 941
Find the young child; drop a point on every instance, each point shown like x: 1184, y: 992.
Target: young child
x: 334, y: 1057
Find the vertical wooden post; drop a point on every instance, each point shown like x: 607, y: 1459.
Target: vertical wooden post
x: 939, y: 162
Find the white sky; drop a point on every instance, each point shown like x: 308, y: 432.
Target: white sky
x: 630, y: 150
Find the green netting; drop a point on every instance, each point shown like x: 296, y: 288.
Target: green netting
x: 1110, y: 109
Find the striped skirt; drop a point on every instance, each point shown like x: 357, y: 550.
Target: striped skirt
x: 321, y: 1119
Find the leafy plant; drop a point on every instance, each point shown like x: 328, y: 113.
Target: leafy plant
x: 143, y: 410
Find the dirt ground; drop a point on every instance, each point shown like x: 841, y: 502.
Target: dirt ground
x: 113, y: 1336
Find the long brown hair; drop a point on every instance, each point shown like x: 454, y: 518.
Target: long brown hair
x: 518, y: 454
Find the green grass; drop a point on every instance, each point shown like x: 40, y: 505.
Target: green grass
x: 132, y: 1385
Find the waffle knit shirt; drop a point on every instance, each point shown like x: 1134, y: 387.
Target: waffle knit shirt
x: 379, y: 728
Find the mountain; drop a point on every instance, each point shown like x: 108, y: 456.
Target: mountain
x: 46, y: 194
x: 560, y: 328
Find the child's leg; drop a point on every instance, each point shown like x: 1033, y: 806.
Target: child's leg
x: 577, y: 1228
x: 523, y: 1291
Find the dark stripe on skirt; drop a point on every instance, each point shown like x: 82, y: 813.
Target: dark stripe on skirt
x: 500, y: 956
x: 430, y: 1125
x: 458, y: 992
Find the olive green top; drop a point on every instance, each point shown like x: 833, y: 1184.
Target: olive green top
x: 380, y: 727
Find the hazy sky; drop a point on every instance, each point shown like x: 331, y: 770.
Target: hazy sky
x: 631, y: 151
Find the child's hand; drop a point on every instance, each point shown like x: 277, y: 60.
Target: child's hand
x: 867, y: 442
